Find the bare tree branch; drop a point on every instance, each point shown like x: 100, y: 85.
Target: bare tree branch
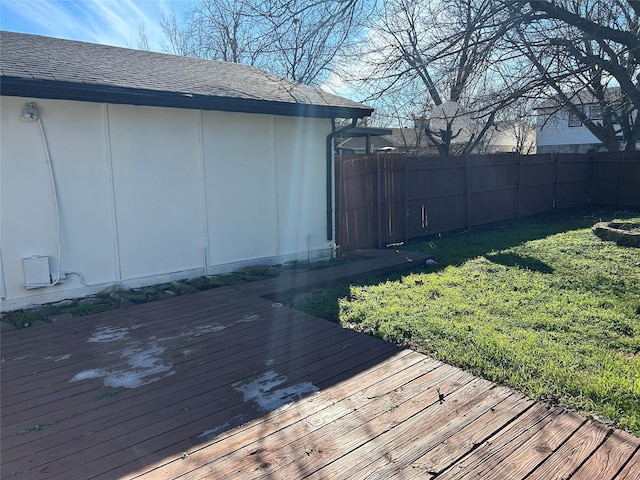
x: 295, y: 39
x: 595, y: 30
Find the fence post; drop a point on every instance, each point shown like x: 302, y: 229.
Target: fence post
x: 555, y: 158
x: 594, y: 162
x: 622, y: 161
x: 378, y: 203
x: 406, y: 200
x: 468, y: 192
x: 339, y: 201
x: 518, y: 191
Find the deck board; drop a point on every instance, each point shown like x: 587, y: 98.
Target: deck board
x: 631, y: 469
x: 241, y: 342
x: 405, y: 445
x: 339, y: 441
x: 322, y: 416
x: 537, y: 448
x: 607, y: 460
x: 573, y: 453
x: 467, y: 438
x: 227, y: 384
x: 154, y: 449
x: 320, y: 409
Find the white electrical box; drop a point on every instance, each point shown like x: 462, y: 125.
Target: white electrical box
x: 36, y: 271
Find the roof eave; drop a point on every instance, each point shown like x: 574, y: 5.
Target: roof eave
x: 52, y: 89
x: 367, y: 131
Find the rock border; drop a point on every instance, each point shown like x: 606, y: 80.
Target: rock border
x: 618, y: 232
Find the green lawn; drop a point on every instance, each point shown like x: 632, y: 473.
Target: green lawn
x: 542, y: 305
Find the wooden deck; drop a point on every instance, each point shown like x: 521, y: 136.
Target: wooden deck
x: 227, y: 384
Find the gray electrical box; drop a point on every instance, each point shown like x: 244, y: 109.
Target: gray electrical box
x: 36, y: 271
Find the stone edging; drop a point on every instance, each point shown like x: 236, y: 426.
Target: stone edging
x: 617, y: 232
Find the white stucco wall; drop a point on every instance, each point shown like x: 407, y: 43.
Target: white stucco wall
x: 151, y: 194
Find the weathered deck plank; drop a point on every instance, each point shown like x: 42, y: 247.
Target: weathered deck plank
x: 537, y: 448
x: 572, y: 453
x: 218, y: 363
x: 422, y: 434
x: 385, y: 417
x: 482, y: 460
x: 608, y: 459
x: 286, y: 446
x: 319, y: 409
x: 631, y: 469
x: 241, y: 342
x: 212, y: 368
x: 143, y: 426
x: 393, y: 449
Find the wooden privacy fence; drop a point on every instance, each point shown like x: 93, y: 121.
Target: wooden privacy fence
x: 389, y: 199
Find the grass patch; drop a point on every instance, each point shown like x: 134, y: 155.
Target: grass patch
x: 36, y: 427
x: 321, y: 302
x: 112, y: 394
x: 543, y: 306
x: 90, y: 309
x: 21, y: 318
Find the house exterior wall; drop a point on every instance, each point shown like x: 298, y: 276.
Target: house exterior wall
x: 149, y: 194
x: 509, y: 137
x: 554, y: 134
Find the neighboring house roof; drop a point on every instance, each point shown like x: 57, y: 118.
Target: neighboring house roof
x: 359, y: 143
x: 504, y: 137
x: 362, y: 139
x: 43, y: 67
x: 400, y: 139
x: 357, y: 138
x: 409, y: 138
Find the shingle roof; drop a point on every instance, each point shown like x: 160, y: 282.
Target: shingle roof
x: 43, y: 67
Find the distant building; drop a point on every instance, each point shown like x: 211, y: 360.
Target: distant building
x: 561, y: 130
x: 511, y: 137
x: 505, y: 137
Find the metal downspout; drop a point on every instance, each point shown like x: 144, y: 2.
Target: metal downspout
x: 330, y: 138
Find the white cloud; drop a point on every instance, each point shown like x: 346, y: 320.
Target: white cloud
x: 335, y: 84
x: 351, y: 82
x: 111, y: 22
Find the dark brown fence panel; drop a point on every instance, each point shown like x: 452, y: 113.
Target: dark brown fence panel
x: 573, y: 180
x: 492, y: 184
x: 389, y: 199
x: 356, y: 200
x: 615, y: 178
x: 436, y: 195
x: 536, y: 184
x: 606, y: 180
x: 391, y: 209
x: 630, y: 183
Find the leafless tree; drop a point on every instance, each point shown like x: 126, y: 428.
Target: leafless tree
x: 142, y: 41
x: 587, y: 54
x: 423, y: 53
x: 296, y: 39
x: 215, y: 30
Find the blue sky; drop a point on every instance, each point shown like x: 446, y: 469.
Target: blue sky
x: 110, y: 22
